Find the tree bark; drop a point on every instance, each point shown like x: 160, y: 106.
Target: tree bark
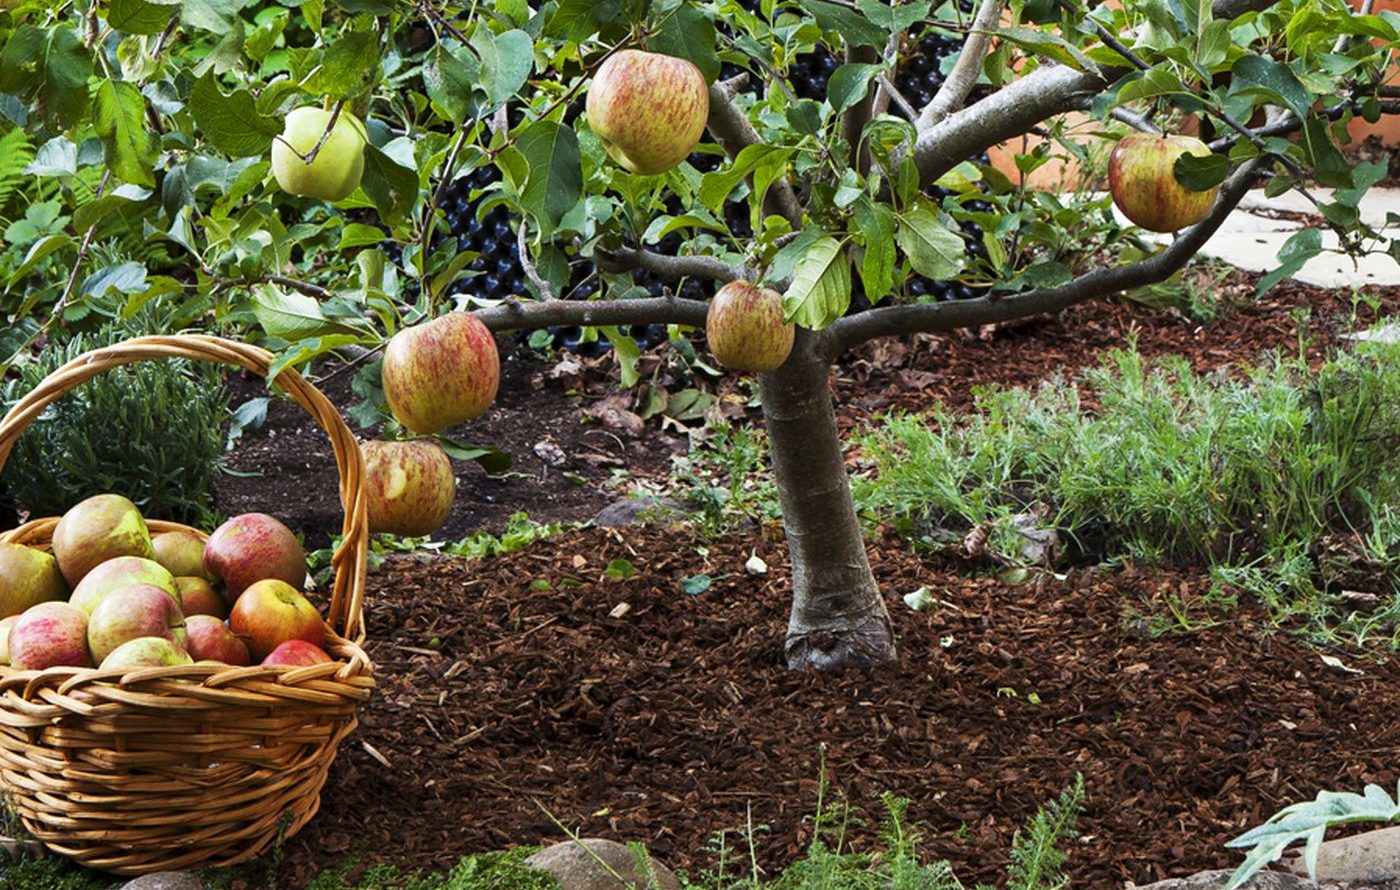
x: 838, y: 617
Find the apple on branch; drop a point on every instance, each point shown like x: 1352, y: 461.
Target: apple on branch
x: 648, y: 109
x: 745, y: 329
x: 1142, y: 180
x: 335, y: 170
x: 409, y: 486
x: 441, y: 372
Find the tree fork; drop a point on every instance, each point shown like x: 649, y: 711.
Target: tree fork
x: 838, y: 617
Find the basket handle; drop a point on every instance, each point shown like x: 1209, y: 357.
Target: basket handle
x: 346, y: 614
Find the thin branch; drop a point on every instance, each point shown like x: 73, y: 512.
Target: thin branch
x: 304, y: 287
x: 855, y: 329
x: 544, y: 287
x: 515, y: 314
x: 626, y: 259
x: 886, y: 89
x: 953, y: 93
x: 732, y: 130
x: 1109, y: 39
x: 1139, y: 122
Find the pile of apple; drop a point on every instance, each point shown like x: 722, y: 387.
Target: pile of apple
x: 112, y: 596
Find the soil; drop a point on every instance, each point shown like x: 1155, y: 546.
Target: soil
x: 627, y: 709
x: 504, y: 702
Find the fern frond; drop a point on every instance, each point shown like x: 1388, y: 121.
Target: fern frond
x: 15, y: 155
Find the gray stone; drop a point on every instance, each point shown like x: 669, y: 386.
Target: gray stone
x: 1371, y: 859
x: 638, y: 511
x: 166, y: 880
x: 576, y: 866
x: 1216, y: 880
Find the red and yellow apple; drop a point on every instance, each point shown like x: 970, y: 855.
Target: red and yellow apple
x: 271, y: 612
x: 409, y: 486
x: 253, y: 547
x: 50, y: 635
x: 335, y: 172
x: 182, y: 552
x: 297, y: 653
x: 96, y: 530
x: 28, y: 577
x: 140, y: 610
x: 745, y: 329
x: 1142, y: 180
x: 123, y: 571
x: 648, y: 109
x: 441, y: 372
x: 146, y: 652
x: 209, y: 639
x: 198, y: 597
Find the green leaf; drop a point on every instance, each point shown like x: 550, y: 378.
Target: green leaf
x: 1275, y: 80
x: 139, y: 16
x: 1332, y: 169
x: 694, y: 585
x: 305, y: 350
x: 1201, y: 173
x: 57, y: 157
x: 391, y: 186
x: 689, y: 34
x: 1149, y: 85
x: 217, y: 16
x: 449, y: 76
x: 627, y: 352
x: 933, y: 250
x: 1297, y: 250
x: 894, y: 18
x: 119, y: 118
x: 125, y: 278
x: 231, y: 123
x: 40, y: 249
x: 876, y: 224
x: 1048, y: 45
x: 287, y: 315
x: 849, y: 84
x: 853, y: 27
x: 506, y: 62
x: 493, y: 460
x: 716, y: 186
x: 820, y: 291
x: 577, y: 20
x: 555, y: 182
x: 51, y: 66
x: 359, y: 235
x: 346, y: 67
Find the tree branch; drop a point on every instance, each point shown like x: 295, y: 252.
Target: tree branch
x: 732, y: 130
x: 963, y: 77
x: 855, y: 118
x: 626, y: 259
x: 855, y: 329
x: 514, y: 314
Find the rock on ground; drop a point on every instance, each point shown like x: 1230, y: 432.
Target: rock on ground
x: 1216, y: 880
x: 1371, y: 859
x: 638, y: 511
x: 575, y: 865
x: 166, y: 880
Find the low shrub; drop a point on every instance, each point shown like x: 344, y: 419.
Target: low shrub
x: 150, y: 431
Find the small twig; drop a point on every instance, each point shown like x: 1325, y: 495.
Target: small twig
x: 305, y: 287
x: 1107, y: 36
x: 544, y: 287
x: 951, y: 96
x: 890, y: 92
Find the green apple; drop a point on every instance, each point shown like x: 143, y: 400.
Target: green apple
x: 182, y: 552
x: 1143, y: 182
x: 441, y: 372
x: 28, y: 577
x: 336, y: 170
x: 96, y: 530
x: 648, y: 109
x: 745, y: 329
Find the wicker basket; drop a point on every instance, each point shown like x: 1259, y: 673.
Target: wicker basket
x: 175, y: 767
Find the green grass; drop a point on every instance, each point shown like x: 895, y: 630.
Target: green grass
x: 1250, y: 477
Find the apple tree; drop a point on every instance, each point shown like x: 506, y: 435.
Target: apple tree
x: 144, y: 130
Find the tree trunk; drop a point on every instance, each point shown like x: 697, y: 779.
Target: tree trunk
x: 838, y: 617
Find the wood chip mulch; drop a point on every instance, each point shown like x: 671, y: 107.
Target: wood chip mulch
x: 628, y: 709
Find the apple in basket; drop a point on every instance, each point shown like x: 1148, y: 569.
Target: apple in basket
x: 198, y: 597
x: 5, y: 625
x: 253, y: 547
x: 50, y: 635
x: 140, y: 610
x: 182, y: 552
x: 123, y: 571
x: 297, y: 653
x: 212, y: 640
x: 271, y: 612
x: 28, y: 577
x: 146, y: 652
x: 96, y: 530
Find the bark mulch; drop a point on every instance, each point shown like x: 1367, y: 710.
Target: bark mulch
x: 629, y: 709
